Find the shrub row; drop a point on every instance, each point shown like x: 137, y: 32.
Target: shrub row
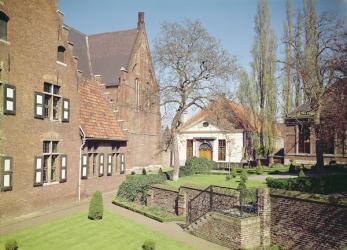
x: 319, y: 185
x: 195, y: 165
x: 137, y: 186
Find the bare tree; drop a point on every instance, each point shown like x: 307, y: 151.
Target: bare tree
x: 192, y: 68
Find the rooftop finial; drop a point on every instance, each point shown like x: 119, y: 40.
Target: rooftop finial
x: 141, y: 19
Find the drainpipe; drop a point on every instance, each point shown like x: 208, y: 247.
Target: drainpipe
x: 80, y: 167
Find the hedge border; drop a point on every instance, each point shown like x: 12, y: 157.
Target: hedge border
x: 147, y: 214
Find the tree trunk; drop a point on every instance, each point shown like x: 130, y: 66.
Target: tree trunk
x: 319, y: 149
x: 176, y: 168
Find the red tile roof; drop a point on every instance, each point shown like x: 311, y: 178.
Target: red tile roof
x: 96, y: 117
x: 225, y: 114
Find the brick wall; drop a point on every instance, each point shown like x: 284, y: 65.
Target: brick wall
x: 176, y: 201
x: 34, y: 33
x: 104, y: 183
x: 163, y: 198
x: 303, y: 224
x: 231, y: 232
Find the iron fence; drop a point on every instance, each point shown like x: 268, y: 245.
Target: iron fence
x: 228, y: 201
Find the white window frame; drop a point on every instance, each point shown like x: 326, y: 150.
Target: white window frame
x: 63, y: 168
x: 84, y: 166
x: 109, y: 164
x: 101, y: 164
x: 6, y: 182
x: 9, y: 99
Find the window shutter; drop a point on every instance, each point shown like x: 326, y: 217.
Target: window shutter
x: 9, y: 99
x: 101, y: 165
x: 38, y: 105
x: 63, y: 168
x: 38, y: 171
x: 66, y: 110
x: 109, y: 164
x: 122, y: 163
x: 6, y: 176
x: 84, y: 170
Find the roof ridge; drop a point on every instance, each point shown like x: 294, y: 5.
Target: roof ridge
x: 111, y: 32
x: 75, y: 29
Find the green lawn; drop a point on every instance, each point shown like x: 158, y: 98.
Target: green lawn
x: 78, y: 232
x: 220, y: 180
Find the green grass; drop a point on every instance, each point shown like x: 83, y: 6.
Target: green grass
x: 151, y: 212
x: 76, y: 232
x: 203, y: 180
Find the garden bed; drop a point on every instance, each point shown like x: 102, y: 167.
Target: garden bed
x: 150, y: 212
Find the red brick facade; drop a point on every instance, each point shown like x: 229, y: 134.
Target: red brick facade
x: 42, y: 126
x: 302, y: 150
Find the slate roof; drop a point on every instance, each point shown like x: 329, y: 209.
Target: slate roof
x: 233, y: 115
x: 96, y: 117
x: 103, y: 54
x: 80, y: 50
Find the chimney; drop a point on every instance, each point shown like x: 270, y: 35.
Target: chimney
x: 141, y: 20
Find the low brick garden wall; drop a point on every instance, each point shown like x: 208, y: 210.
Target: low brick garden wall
x: 175, y: 201
x: 305, y: 224
x: 284, y: 218
x: 231, y: 232
x: 163, y: 197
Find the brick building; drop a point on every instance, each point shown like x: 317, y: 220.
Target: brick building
x: 300, y: 136
x: 121, y: 62
x: 60, y: 108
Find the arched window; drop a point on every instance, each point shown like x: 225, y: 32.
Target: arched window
x: 3, y: 26
x: 60, y: 56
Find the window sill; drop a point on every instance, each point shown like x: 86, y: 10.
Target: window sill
x: 61, y: 63
x: 5, y: 42
x: 50, y: 183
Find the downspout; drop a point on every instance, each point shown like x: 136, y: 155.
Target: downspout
x: 80, y: 167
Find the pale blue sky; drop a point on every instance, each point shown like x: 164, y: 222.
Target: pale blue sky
x: 230, y: 21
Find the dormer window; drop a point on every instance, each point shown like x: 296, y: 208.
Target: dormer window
x: 3, y: 26
x: 61, y: 54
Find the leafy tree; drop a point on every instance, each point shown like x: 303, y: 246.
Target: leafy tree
x: 263, y: 79
x: 192, y: 68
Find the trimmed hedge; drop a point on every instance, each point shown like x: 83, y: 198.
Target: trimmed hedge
x: 195, y: 165
x: 96, y: 209
x: 319, y: 184
x: 137, y: 186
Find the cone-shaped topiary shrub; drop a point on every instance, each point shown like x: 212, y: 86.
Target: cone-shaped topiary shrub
x: 242, y: 185
x: 244, y: 176
x: 148, y: 245
x: 11, y: 245
x: 301, y: 173
x: 96, y: 209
